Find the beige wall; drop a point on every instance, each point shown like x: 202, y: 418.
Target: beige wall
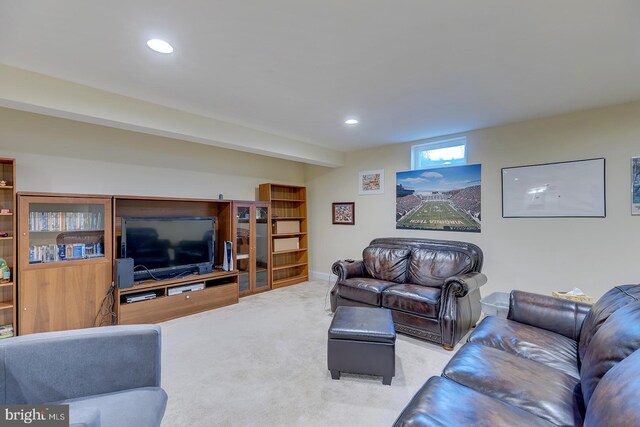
x: 58, y: 155
x: 538, y: 255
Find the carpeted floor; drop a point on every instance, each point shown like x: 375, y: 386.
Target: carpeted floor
x: 262, y: 362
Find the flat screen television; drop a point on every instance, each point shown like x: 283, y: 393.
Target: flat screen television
x: 168, y: 246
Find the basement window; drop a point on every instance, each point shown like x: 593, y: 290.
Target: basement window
x: 446, y: 152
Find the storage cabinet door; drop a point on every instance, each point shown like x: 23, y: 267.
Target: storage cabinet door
x: 262, y: 249
x: 243, y: 247
x: 55, y: 299
x: 64, y: 261
x: 253, y: 252
x: 67, y: 230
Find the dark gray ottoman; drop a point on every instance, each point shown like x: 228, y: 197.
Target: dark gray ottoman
x: 362, y: 340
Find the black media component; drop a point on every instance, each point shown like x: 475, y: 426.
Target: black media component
x: 124, y: 272
x: 165, y: 247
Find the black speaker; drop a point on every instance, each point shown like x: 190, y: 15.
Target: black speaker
x: 123, y: 273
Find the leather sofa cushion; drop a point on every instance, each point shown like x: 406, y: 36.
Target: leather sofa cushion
x: 416, y: 299
x: 431, y: 267
x: 440, y: 400
x: 363, y: 289
x: 386, y: 262
x: 612, y: 300
x: 525, y: 384
x: 551, y: 349
x: 615, y: 400
x: 616, y: 339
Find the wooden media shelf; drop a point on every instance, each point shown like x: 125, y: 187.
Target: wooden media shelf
x: 220, y: 287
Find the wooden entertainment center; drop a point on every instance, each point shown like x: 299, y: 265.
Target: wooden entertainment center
x: 69, y: 243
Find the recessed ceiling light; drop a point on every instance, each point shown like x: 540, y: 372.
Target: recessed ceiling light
x: 351, y: 122
x: 160, y: 46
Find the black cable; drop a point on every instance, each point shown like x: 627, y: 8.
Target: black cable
x: 106, y: 309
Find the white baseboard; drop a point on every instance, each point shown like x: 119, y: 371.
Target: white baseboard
x: 318, y: 275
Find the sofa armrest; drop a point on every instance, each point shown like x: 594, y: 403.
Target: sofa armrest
x: 54, y: 366
x: 557, y: 315
x: 459, y: 306
x: 460, y: 286
x: 344, y: 269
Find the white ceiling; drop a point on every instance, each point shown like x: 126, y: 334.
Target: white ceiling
x: 408, y: 69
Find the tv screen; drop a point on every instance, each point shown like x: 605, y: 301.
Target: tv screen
x: 168, y: 246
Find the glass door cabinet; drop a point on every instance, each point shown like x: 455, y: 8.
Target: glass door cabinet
x: 64, y: 261
x: 252, y: 246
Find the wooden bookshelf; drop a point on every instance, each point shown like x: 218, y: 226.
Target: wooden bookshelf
x: 289, y: 265
x: 8, y: 294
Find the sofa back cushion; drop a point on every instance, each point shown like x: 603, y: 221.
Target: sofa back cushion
x: 616, y: 339
x: 429, y: 267
x: 54, y: 366
x: 611, y: 301
x: 386, y: 262
x: 615, y: 401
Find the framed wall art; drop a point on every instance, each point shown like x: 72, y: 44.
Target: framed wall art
x: 635, y: 186
x: 344, y: 213
x: 564, y: 189
x: 445, y: 199
x: 371, y: 182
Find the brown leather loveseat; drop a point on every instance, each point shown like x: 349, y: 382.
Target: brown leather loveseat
x: 432, y: 287
x: 551, y: 362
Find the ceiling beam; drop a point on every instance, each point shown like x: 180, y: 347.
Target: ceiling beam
x: 38, y: 93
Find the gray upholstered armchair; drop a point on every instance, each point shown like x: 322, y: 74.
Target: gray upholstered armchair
x: 108, y: 376
x: 432, y: 287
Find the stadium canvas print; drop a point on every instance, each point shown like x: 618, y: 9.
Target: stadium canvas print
x: 444, y: 199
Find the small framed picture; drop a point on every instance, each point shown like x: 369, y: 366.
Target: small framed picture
x: 635, y: 186
x: 371, y: 182
x: 344, y: 213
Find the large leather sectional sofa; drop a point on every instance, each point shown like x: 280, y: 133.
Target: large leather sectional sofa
x: 551, y: 362
x: 430, y: 286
